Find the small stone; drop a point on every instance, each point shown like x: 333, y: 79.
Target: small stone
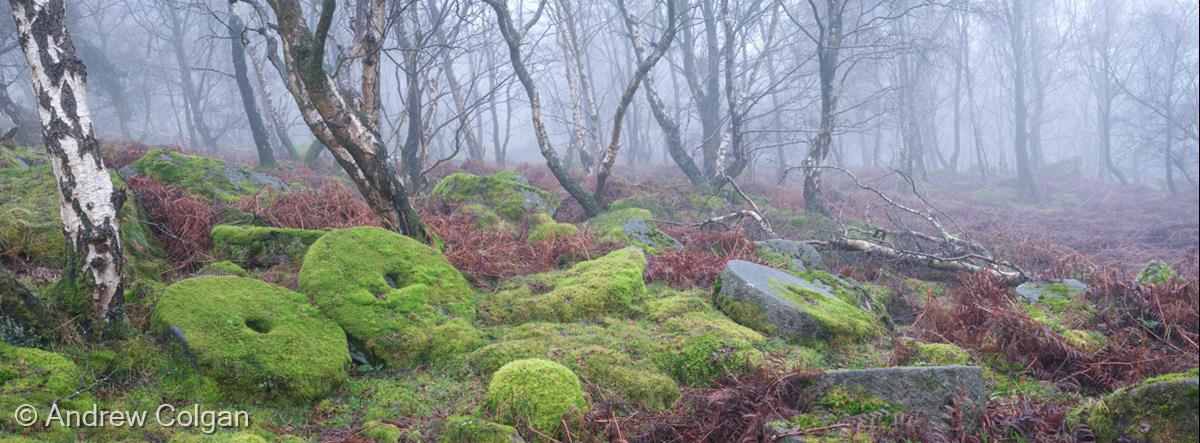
x: 802, y: 256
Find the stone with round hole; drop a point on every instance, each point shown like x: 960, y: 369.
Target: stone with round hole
x: 254, y: 338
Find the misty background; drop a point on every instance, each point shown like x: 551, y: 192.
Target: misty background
x: 1102, y: 88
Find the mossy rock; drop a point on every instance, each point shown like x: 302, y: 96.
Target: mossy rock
x: 394, y: 296
x: 39, y: 378
x: 1159, y: 409
x: 506, y: 194
x: 551, y: 231
x: 1051, y: 291
x: 223, y: 268
x: 1155, y: 273
x: 611, y: 285
x: 631, y: 226
x: 381, y: 432
x: 256, y: 339
x: 24, y: 320
x: 464, y: 429
x: 205, y: 177
x: 260, y: 247
x: 31, y: 227
x: 535, y: 394
x: 780, y: 304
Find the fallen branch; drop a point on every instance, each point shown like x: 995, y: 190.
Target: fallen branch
x: 952, y: 264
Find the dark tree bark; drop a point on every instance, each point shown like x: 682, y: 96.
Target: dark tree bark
x: 88, y: 201
x: 512, y: 37
x: 355, y: 144
x: 262, y: 141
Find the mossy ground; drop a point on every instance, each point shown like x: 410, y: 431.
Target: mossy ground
x: 608, y: 285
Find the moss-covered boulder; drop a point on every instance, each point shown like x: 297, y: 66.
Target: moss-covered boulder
x: 23, y: 319
x: 205, y: 177
x: 781, y: 304
x: 611, y: 285
x: 535, y: 394
x: 259, y: 247
x: 1155, y: 273
x: 464, y: 429
x: 398, y: 300
x: 1159, y: 409
x: 38, y: 378
x: 925, y: 390
x: 506, y: 194
x: 254, y: 338
x: 31, y: 227
x: 631, y: 226
x: 223, y: 268
x: 1051, y: 291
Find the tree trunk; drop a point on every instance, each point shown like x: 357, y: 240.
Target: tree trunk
x: 191, y: 95
x: 512, y: 37
x: 827, y: 60
x: 354, y: 144
x: 1016, y: 16
x: 268, y: 99
x: 266, y: 157
x: 88, y: 202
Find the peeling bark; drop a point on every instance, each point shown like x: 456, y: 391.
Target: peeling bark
x: 88, y: 200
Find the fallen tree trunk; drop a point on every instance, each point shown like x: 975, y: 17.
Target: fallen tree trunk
x: 956, y: 264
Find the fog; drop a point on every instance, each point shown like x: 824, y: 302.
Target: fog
x: 1105, y: 88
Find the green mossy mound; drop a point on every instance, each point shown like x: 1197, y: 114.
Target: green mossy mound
x: 464, y: 429
x: 506, y: 194
x: 551, y: 231
x: 256, y: 246
x: 394, y: 296
x: 609, y: 285
x: 39, y: 378
x: 1159, y: 409
x: 631, y: 226
x: 256, y: 339
x: 1156, y: 273
x: 31, y: 227
x: 223, y: 268
x: 205, y: 177
x: 682, y: 340
x: 536, y: 394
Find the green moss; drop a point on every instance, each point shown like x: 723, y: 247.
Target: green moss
x: 551, y: 231
x: 536, y: 394
x: 388, y: 292
x: 380, y: 432
x: 505, y: 194
x: 255, y: 246
x: 610, y: 226
x: 255, y: 338
x: 609, y: 285
x: 841, y: 322
x: 224, y: 268
x: 840, y: 405
x: 39, y: 378
x: 31, y: 227
x: 463, y: 429
x: 938, y: 354
x: 702, y: 359
x: 1160, y: 409
x: 204, y: 177
x: 1155, y: 273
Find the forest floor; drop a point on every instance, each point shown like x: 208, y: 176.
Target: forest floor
x: 532, y: 323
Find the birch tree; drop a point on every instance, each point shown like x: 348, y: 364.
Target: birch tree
x: 88, y: 202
